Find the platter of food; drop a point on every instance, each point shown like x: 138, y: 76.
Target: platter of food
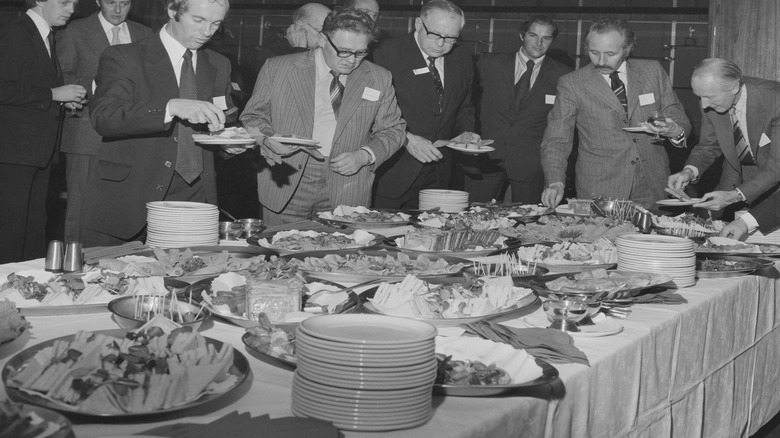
x: 198, y: 370
x: 290, y: 241
x: 362, y: 217
x: 686, y: 225
x: 568, y: 256
x: 275, y: 343
x: 726, y: 246
x: 455, y: 243
x: 229, y: 136
x: 357, y: 266
x: 727, y: 266
x: 614, y: 284
x: 476, y: 218
x: 12, y: 323
x: 448, y: 302
x: 19, y: 420
x: 574, y: 229
x: 480, y: 147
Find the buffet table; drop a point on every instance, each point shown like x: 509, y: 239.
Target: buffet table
x: 705, y: 368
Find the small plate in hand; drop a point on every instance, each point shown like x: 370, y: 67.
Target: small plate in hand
x: 635, y: 129
x: 677, y: 202
x: 288, y: 139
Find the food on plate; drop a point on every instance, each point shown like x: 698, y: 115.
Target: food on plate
x: 476, y: 218
x: 433, y: 239
x: 145, y: 371
x: 271, y: 340
x: 575, y: 229
x: 12, y: 324
x: 473, y: 297
x: 232, y: 132
x: 176, y: 263
x: 346, y: 213
x: 687, y: 225
x: 601, y: 280
x: 723, y: 244
x: 272, y: 298
x: 295, y: 240
x: 570, y: 253
x: 16, y: 422
x: 580, y: 206
x: 40, y: 288
x: 468, y: 373
x: 392, y: 264
x: 723, y: 265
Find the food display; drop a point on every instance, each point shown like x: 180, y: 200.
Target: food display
x: 12, y: 324
x: 177, y: 263
x: 432, y: 239
x: 686, y: 225
x: 468, y: 373
x: 295, y: 240
x: 476, y: 218
x: 730, y: 246
x: 376, y: 264
x: 363, y: 215
x: 602, y: 252
x: 272, y: 341
x: 20, y: 421
x: 724, y: 265
x: 599, y: 280
x: 574, y: 229
x: 105, y: 374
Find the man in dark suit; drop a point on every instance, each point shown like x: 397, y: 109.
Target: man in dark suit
x: 151, y: 96
x: 78, y: 49
x: 433, y: 78
x: 737, y: 107
x: 30, y: 97
x: 513, y: 104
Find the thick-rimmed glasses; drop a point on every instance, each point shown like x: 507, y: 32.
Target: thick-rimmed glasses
x: 436, y: 37
x: 123, y: 4
x: 347, y: 53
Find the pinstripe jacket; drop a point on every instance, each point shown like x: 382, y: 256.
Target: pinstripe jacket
x: 283, y: 103
x: 607, y: 154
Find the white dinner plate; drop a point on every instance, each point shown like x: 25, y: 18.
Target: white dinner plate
x: 635, y: 129
x: 678, y: 203
x: 216, y: 139
x: 481, y: 150
x: 296, y: 141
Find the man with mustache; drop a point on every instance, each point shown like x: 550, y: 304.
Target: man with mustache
x: 600, y: 100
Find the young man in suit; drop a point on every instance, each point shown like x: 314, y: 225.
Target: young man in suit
x: 151, y: 96
x: 514, y: 101
x: 601, y: 99
x: 737, y: 107
x: 78, y: 49
x: 31, y: 95
x: 331, y: 95
x: 433, y: 77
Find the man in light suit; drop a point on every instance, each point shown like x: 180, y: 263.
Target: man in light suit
x: 431, y: 113
x: 513, y: 112
x: 31, y: 95
x: 751, y: 170
x: 600, y: 100
x: 330, y: 95
x: 78, y: 48
x: 147, y: 120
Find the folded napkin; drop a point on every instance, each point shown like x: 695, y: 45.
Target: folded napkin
x: 235, y: 425
x: 550, y: 345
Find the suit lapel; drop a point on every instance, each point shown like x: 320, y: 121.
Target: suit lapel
x: 601, y: 90
x: 158, y: 66
x: 302, y: 79
x: 96, y: 37
x: 353, y: 94
x: 38, y: 45
x: 205, y: 75
x: 756, y: 119
x: 508, y: 79
x: 724, y: 131
x: 636, y: 79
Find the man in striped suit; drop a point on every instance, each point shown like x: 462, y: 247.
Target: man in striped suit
x: 330, y: 95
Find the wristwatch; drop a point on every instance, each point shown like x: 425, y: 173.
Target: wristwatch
x: 679, y: 137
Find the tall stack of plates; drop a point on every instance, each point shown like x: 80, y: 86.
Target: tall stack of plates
x: 673, y: 256
x: 179, y: 224
x: 448, y: 201
x: 364, y: 372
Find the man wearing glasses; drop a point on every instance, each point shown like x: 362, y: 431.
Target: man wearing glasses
x: 331, y: 96
x: 78, y: 48
x: 433, y: 77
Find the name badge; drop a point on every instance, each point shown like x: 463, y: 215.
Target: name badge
x: 549, y: 99
x: 764, y: 140
x: 646, y: 99
x: 220, y: 102
x: 371, y: 94
x: 421, y: 71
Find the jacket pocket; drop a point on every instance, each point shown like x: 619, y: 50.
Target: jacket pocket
x: 113, y: 171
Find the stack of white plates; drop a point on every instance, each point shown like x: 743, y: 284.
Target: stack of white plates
x: 448, y: 201
x: 179, y: 224
x: 364, y: 372
x: 673, y: 256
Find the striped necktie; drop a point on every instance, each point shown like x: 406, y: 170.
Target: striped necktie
x: 619, y: 88
x: 743, y: 148
x: 437, y: 83
x: 189, y: 158
x: 336, y: 93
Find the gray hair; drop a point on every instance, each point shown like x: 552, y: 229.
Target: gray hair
x: 181, y: 6
x: 442, y: 5
x: 725, y: 71
x: 619, y: 25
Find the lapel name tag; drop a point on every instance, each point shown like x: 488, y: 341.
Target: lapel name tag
x: 371, y: 94
x: 220, y: 102
x: 549, y: 99
x: 646, y: 99
x: 421, y: 71
x: 764, y: 140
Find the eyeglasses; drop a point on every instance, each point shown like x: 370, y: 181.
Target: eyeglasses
x: 436, y: 37
x: 124, y: 4
x: 314, y: 28
x: 346, y: 53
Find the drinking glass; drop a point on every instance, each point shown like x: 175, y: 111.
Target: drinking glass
x: 655, y: 117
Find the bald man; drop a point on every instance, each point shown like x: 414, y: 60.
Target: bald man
x: 371, y: 7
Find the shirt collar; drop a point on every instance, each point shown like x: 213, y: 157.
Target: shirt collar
x: 175, y: 49
x: 740, y: 106
x: 43, y: 27
x: 521, y: 57
x: 108, y: 26
x: 320, y: 66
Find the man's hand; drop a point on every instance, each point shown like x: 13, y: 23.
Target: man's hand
x: 717, y: 200
x: 421, y: 149
x: 667, y: 128
x: 679, y: 180
x: 197, y: 112
x: 737, y: 229
x: 552, y: 195
x: 349, y: 163
x: 296, y: 36
x: 69, y: 93
x: 467, y: 137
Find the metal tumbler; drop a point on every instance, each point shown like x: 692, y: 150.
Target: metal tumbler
x: 74, y: 260
x: 54, y: 256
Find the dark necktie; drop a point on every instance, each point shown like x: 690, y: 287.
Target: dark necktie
x: 53, y: 54
x: 189, y: 158
x: 524, y: 84
x: 336, y: 93
x: 743, y: 149
x: 437, y: 84
x: 619, y: 88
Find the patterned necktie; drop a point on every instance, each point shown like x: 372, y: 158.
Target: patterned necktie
x: 115, y: 39
x: 336, y: 93
x: 619, y: 89
x: 524, y: 84
x: 743, y: 149
x: 189, y: 158
x: 437, y: 84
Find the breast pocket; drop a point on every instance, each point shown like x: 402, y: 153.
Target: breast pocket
x: 113, y: 171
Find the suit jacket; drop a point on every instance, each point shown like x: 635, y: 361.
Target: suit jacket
x: 517, y: 130
x: 78, y: 48
x: 29, y: 119
x: 767, y: 212
x: 283, y: 103
x: 607, y: 154
x: 137, y: 158
x: 419, y: 105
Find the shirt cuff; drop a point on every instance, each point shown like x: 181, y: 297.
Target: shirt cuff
x: 750, y: 221
x: 694, y: 170
x: 370, y: 152
x: 741, y: 196
x: 168, y: 116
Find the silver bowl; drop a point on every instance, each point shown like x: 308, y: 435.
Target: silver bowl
x: 124, y: 310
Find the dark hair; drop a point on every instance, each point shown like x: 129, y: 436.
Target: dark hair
x: 441, y: 5
x: 538, y: 19
x: 31, y: 3
x: 181, y: 6
x: 619, y: 25
x: 352, y: 20
x: 727, y: 72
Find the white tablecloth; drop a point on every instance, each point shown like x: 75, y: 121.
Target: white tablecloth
x: 707, y: 368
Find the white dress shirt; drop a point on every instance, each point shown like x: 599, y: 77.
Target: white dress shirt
x: 124, y: 31
x: 438, y: 62
x: 176, y: 53
x: 520, y: 66
x: 324, y: 117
